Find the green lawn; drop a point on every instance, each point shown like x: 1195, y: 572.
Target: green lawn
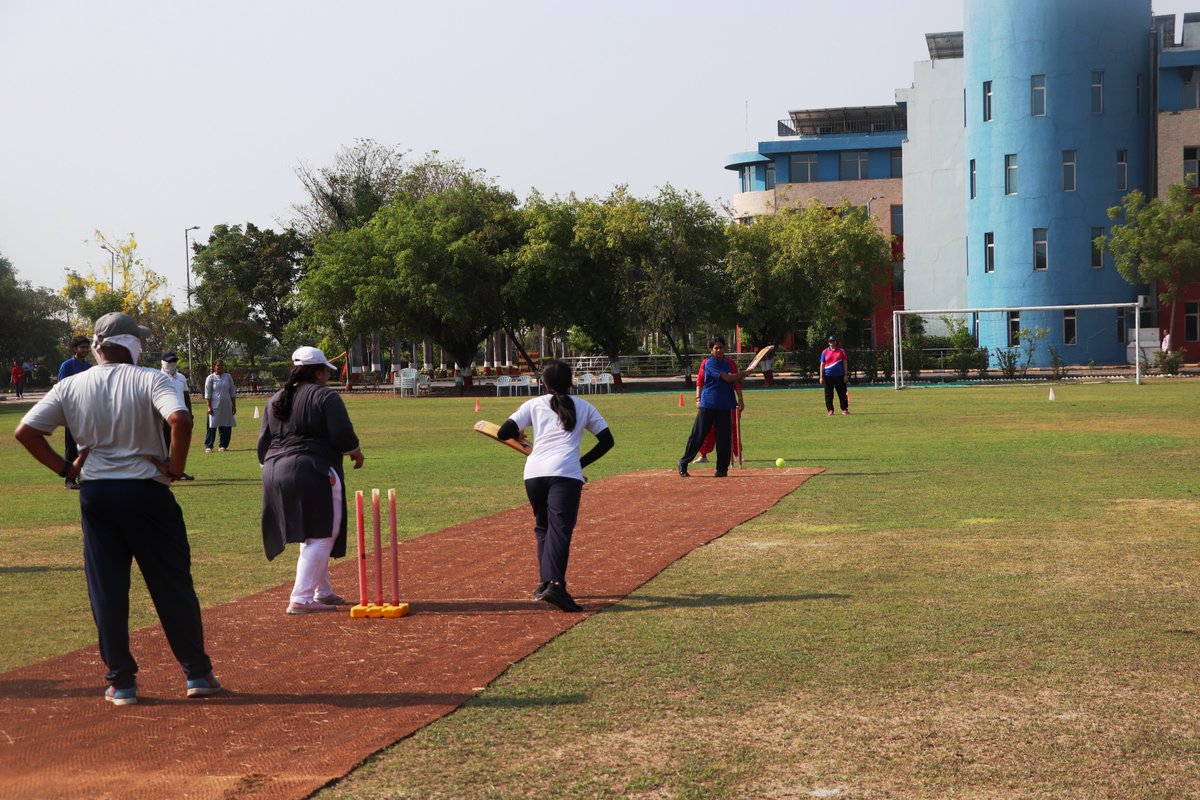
x: 986, y: 595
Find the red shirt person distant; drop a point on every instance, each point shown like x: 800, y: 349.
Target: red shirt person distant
x: 18, y: 379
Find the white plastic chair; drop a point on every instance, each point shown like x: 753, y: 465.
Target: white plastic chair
x: 406, y: 381
x: 424, y: 384
x: 585, y: 382
x: 523, y: 382
x: 504, y: 382
x: 606, y: 380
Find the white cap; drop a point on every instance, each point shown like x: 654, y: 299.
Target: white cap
x: 311, y: 355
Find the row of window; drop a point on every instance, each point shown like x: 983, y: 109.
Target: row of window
x: 1070, y: 171
x: 1070, y: 321
x: 1039, y: 95
x: 1041, y: 250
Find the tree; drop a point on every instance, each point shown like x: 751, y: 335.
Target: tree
x: 677, y: 242
x: 250, y: 276
x: 1159, y: 240
x: 34, y: 320
x: 138, y: 294
x: 809, y: 263
x: 430, y: 265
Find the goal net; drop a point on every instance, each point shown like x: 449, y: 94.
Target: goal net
x: 1019, y: 342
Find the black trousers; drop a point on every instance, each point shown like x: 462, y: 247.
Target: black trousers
x: 555, y: 502
x: 837, y: 382
x: 138, y: 520
x: 706, y: 418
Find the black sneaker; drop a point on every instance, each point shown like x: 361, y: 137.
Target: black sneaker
x: 720, y: 474
x: 186, y: 477
x: 683, y: 473
x: 71, y: 483
x: 540, y: 590
x: 556, y: 595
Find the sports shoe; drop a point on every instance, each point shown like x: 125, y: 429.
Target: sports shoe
x: 829, y: 412
x: 540, y: 590
x: 846, y: 411
x: 71, y: 483
x: 203, y: 687
x: 121, y: 697
x: 721, y: 474
x: 186, y: 477
x: 209, y: 449
x: 556, y: 595
x: 683, y: 473
x: 309, y: 608
x: 223, y: 449
x: 701, y: 459
x: 332, y: 600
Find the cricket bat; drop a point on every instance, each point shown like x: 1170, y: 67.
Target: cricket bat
x: 759, y: 356
x: 492, y: 431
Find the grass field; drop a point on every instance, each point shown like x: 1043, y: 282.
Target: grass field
x: 986, y: 595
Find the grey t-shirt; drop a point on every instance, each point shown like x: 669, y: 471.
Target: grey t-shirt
x: 116, y: 412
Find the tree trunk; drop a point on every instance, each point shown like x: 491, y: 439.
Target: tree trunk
x: 683, y: 358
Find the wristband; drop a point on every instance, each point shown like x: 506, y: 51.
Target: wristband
x: 62, y: 473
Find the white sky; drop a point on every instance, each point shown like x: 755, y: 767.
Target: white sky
x: 151, y: 116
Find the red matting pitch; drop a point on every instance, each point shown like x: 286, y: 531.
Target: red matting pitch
x: 309, y: 697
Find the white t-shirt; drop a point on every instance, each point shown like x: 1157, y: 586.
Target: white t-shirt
x: 555, y: 451
x: 116, y: 412
x: 180, y: 382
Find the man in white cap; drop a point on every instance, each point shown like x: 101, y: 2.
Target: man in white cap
x: 170, y: 368
x: 127, y: 508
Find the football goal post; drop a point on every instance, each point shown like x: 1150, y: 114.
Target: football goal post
x: 1008, y: 341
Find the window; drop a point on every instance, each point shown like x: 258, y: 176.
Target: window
x: 1041, y: 249
x: 1097, y: 254
x: 1037, y: 95
x: 897, y: 163
x: 987, y: 101
x: 852, y: 165
x: 897, y: 276
x: 1014, y: 328
x: 747, y: 178
x: 1069, y: 327
x: 989, y: 252
x: 1191, y: 88
x: 1122, y: 170
x: 1068, y: 170
x: 770, y: 175
x: 897, y: 220
x: 1191, y: 165
x: 802, y: 167
x: 972, y: 179
x: 1121, y: 324
x: 1191, y: 322
x: 1097, y: 92
x: 1010, y: 173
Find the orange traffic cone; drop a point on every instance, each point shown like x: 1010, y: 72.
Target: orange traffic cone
x: 681, y: 399
x: 477, y: 409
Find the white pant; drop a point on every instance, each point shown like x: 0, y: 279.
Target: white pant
x: 312, y: 567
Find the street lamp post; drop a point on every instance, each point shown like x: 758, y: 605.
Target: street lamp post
x: 187, y: 260
x: 112, y: 270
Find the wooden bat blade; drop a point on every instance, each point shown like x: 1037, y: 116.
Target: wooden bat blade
x: 759, y: 356
x: 492, y: 431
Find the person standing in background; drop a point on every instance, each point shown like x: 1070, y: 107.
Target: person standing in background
x: 18, y: 379
x: 170, y: 368
x: 220, y: 396
x: 833, y: 375
x: 74, y: 365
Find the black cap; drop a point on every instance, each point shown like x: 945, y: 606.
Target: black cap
x: 170, y: 356
x: 833, y: 337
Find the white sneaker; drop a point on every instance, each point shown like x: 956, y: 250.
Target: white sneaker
x: 701, y: 459
x: 222, y: 449
x: 209, y: 449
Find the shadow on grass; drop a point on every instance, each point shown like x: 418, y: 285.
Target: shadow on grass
x: 651, y: 603
x: 29, y: 570
x: 49, y: 689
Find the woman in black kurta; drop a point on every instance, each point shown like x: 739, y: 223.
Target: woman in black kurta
x: 305, y: 433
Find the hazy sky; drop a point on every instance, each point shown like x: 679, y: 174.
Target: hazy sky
x: 150, y: 117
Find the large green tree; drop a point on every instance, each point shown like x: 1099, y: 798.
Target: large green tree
x: 248, y: 278
x: 34, y: 322
x: 810, y: 264
x: 1157, y: 240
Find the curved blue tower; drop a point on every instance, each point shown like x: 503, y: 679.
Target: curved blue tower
x: 1057, y: 112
